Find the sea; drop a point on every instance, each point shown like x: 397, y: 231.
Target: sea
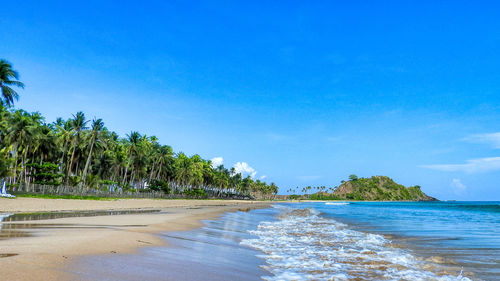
x: 323, y: 241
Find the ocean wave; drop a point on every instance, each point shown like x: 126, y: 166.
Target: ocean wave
x: 302, y: 245
x: 337, y: 203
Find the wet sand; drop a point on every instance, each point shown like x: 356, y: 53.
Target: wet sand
x: 54, y: 244
x: 210, y: 253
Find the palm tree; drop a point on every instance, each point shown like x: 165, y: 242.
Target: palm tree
x: 8, y: 78
x: 4, y: 114
x: 166, y: 168
x: 154, y: 155
x: 134, y: 141
x: 182, y: 168
x: 78, y: 124
x: 20, y: 134
x: 97, y: 126
x: 4, y: 163
x: 63, y: 130
x: 45, y: 146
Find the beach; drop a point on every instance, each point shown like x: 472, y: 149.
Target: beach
x: 321, y: 241
x: 53, y: 244
x: 142, y: 239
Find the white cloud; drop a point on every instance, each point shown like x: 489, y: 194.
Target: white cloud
x: 263, y: 177
x: 479, y: 165
x: 492, y: 139
x: 458, y: 187
x: 244, y: 169
x: 217, y: 161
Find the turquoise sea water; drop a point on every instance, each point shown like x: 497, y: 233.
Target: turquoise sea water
x: 324, y: 241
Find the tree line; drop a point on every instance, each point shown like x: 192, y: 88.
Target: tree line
x: 84, y: 153
x: 307, y: 189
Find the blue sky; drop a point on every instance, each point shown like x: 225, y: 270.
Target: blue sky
x: 304, y: 93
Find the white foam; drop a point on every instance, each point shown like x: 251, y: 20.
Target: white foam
x: 337, y: 203
x: 306, y: 246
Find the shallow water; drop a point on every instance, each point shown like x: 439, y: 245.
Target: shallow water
x: 10, y: 226
x: 68, y: 214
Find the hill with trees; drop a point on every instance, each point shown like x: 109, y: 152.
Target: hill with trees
x: 376, y: 188
x: 379, y: 188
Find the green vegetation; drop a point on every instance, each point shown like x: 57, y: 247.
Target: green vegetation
x: 377, y: 188
x: 353, y: 177
x: 9, y: 78
x: 323, y: 196
x: 83, y: 154
x: 46, y: 173
x: 196, y: 193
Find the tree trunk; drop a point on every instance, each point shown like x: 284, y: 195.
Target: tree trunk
x: 23, y: 170
x: 158, y: 174
x: 151, y: 174
x: 125, y: 175
x: 133, y: 178
x: 68, y: 169
x: 84, y: 175
x: 63, y: 155
x: 15, y: 168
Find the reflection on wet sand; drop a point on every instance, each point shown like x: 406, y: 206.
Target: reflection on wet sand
x: 58, y: 215
x: 210, y: 253
x: 12, y: 226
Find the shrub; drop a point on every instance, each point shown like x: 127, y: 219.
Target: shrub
x: 353, y: 177
x: 46, y: 173
x: 195, y: 192
x: 159, y: 185
x: 324, y: 197
x: 74, y: 180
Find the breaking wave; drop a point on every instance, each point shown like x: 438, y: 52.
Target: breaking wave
x: 337, y: 203
x: 302, y: 245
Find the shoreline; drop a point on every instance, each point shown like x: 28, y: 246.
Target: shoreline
x: 54, y: 244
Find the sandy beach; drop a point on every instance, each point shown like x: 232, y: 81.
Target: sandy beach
x: 55, y: 243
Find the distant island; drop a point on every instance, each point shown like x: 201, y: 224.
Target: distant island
x: 376, y: 188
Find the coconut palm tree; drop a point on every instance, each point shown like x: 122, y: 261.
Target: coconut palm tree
x: 63, y: 130
x: 4, y: 115
x: 45, y: 146
x: 166, y: 168
x: 20, y: 134
x: 9, y: 78
x: 182, y: 168
x: 78, y: 124
x: 5, y: 163
x: 97, y: 127
x: 134, y: 140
